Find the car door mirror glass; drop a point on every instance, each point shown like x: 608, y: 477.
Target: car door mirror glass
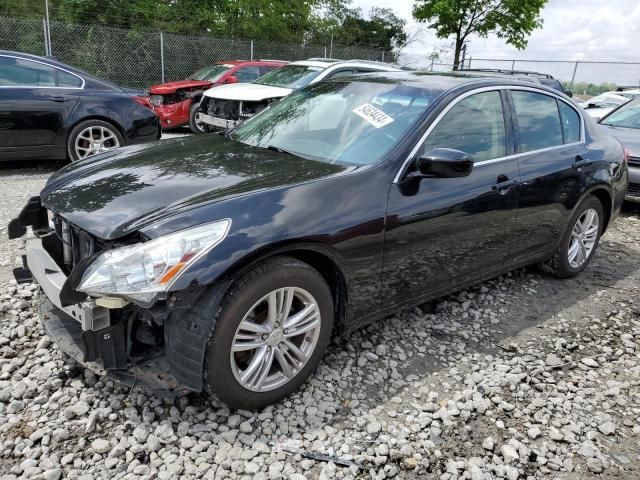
x: 444, y: 163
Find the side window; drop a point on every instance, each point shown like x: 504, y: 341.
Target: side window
x: 474, y: 125
x: 247, y: 74
x: 25, y: 73
x: 570, y: 123
x: 538, y: 120
x: 340, y: 73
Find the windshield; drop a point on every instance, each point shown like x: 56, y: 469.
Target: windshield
x: 627, y: 116
x: 210, y: 74
x: 338, y: 122
x: 291, y: 76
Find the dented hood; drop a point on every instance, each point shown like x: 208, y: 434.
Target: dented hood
x: 119, y: 192
x: 173, y: 87
x: 248, y: 92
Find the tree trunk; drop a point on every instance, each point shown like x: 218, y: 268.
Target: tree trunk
x: 456, y: 55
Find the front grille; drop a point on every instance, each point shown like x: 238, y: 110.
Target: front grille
x: 226, y: 109
x: 634, y: 190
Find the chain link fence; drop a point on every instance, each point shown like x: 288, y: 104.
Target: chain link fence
x: 133, y: 58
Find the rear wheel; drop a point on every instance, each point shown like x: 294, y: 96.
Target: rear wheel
x: 579, y: 242
x: 271, y: 331
x: 195, y: 124
x: 92, y: 137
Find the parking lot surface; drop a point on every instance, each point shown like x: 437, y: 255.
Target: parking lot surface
x: 523, y: 376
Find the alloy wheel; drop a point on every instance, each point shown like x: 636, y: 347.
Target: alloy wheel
x: 583, y: 238
x: 93, y: 140
x: 275, y: 339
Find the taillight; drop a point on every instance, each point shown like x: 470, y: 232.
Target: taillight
x: 627, y: 155
x: 144, y: 101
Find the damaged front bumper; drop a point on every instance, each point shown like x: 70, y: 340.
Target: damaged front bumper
x: 85, y: 333
x: 218, y: 122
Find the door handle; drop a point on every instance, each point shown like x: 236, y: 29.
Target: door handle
x: 580, y: 162
x: 59, y: 98
x: 503, y: 187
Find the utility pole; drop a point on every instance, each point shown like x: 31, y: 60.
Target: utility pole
x: 48, y: 30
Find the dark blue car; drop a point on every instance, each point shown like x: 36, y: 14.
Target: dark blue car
x: 49, y: 110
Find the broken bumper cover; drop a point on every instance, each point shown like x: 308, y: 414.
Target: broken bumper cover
x: 68, y: 335
x: 218, y: 122
x: 84, y: 331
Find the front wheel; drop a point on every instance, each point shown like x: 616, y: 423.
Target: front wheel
x: 271, y: 331
x: 196, y: 125
x: 579, y: 242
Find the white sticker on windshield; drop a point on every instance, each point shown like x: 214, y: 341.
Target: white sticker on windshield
x: 374, y: 116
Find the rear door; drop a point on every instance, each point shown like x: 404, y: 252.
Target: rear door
x: 35, y: 100
x: 554, y: 162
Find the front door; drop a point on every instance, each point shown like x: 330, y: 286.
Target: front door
x: 444, y: 231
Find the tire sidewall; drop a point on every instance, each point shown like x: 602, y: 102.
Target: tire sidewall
x: 75, y: 131
x: 219, y: 376
x: 195, y: 107
x: 587, y: 203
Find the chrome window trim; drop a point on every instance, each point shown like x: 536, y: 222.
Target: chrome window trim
x: 48, y: 65
x: 497, y: 88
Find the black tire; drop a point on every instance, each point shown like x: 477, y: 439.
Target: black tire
x: 79, y: 128
x: 195, y: 108
x: 559, y: 265
x: 272, y: 274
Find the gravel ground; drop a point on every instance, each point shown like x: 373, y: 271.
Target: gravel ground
x: 523, y: 376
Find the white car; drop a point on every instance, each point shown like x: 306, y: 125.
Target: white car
x: 600, y: 105
x: 225, y: 106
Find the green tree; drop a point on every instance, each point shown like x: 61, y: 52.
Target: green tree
x: 511, y: 20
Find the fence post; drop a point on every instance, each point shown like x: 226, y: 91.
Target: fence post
x: 513, y: 65
x: 573, y: 77
x: 469, y: 66
x: 251, y: 50
x: 383, y: 55
x: 48, y: 29
x: 162, y: 56
x: 44, y: 35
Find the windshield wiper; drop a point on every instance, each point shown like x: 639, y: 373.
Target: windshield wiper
x: 281, y: 150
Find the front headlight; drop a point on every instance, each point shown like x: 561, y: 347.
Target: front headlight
x: 141, y: 271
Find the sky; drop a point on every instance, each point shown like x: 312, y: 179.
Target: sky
x: 604, y: 30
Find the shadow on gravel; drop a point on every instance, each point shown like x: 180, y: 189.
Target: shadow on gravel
x: 522, y: 299
x: 24, y: 166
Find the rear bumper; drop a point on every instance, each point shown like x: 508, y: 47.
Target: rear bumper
x: 175, y: 114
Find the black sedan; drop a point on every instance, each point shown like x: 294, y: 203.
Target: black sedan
x: 226, y: 263
x: 49, y: 110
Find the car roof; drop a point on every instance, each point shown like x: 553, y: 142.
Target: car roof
x: 332, y: 62
x: 241, y: 62
x: 440, y: 81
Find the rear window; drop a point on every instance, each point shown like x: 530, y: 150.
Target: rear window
x: 538, y: 121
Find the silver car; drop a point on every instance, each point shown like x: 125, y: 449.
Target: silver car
x: 624, y: 124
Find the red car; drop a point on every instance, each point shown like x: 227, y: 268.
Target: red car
x: 176, y: 103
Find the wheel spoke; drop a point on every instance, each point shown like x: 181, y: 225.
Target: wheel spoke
x: 259, y: 367
x: 306, y: 319
x: 291, y: 347
x: 573, y: 251
x: 285, y: 361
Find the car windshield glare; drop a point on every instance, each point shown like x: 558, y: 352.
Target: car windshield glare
x: 627, y: 116
x: 210, y: 74
x: 351, y: 123
x: 290, y: 76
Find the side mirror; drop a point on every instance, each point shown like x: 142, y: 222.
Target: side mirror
x: 231, y: 79
x: 568, y: 93
x: 444, y: 163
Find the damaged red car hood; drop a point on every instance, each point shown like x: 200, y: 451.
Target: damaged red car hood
x: 171, y: 87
